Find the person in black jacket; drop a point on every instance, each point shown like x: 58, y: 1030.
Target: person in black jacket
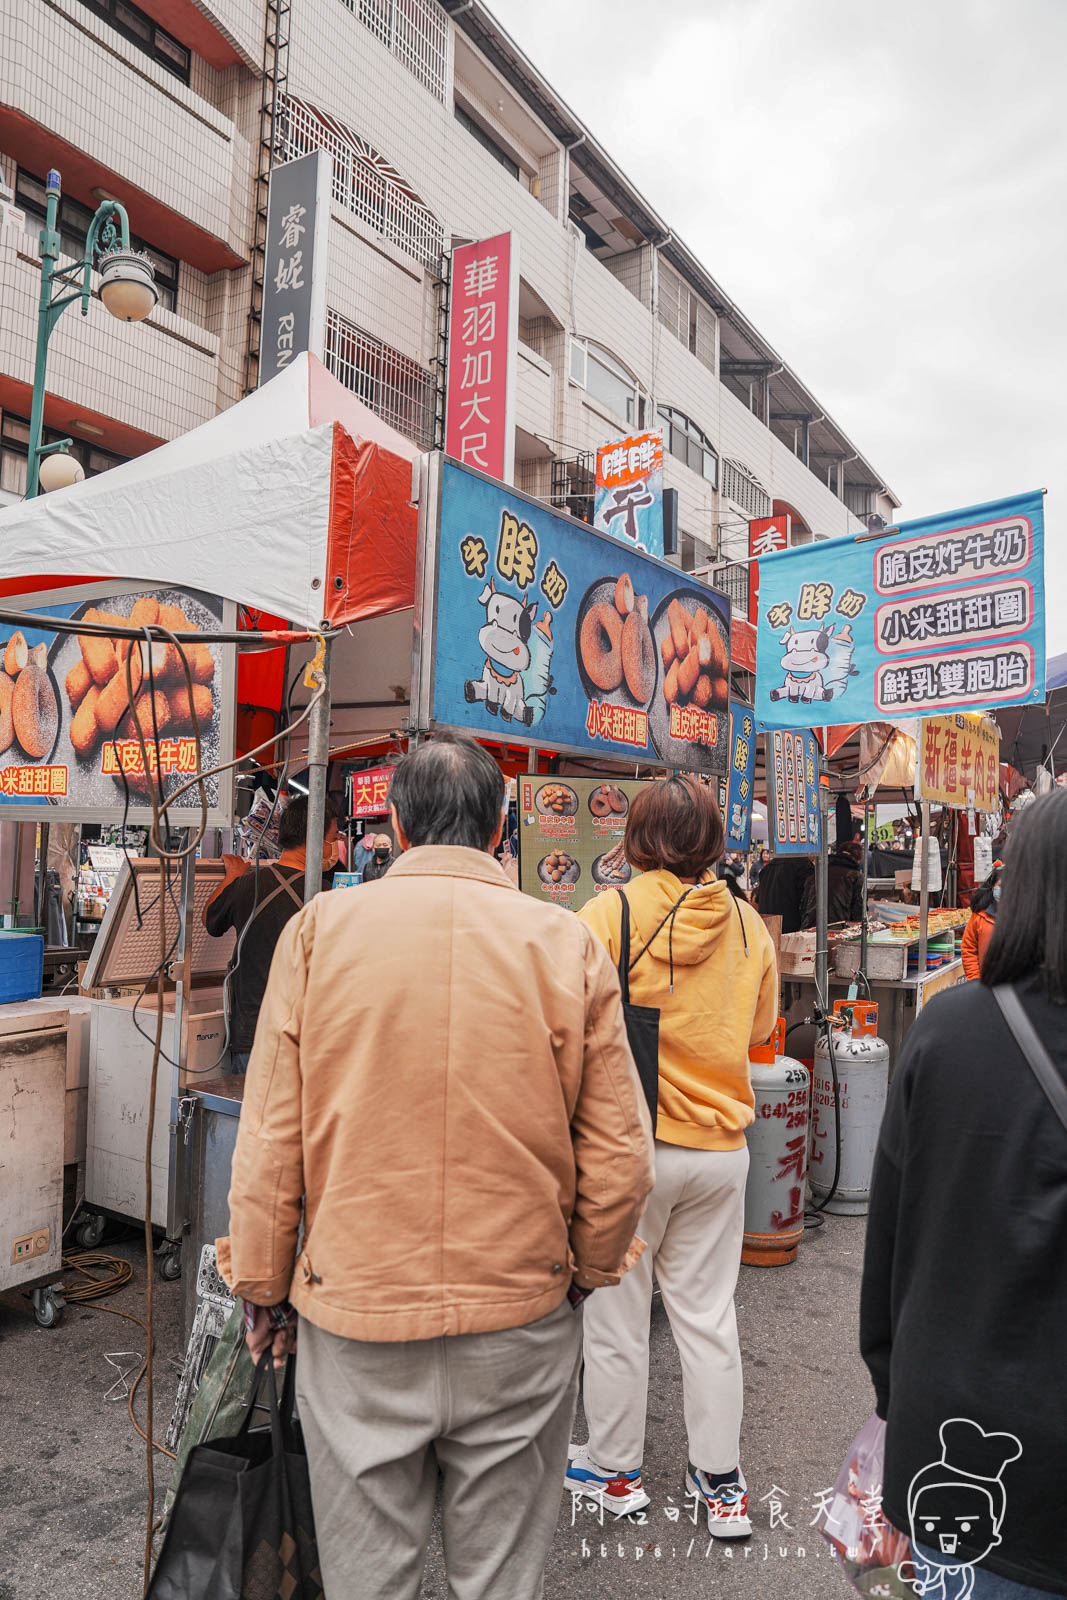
x: 781, y: 889
x: 963, y: 1317
x: 844, y: 885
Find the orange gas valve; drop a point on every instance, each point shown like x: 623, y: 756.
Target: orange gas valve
x: 860, y: 1015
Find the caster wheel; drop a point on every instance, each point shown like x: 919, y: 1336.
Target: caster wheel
x: 90, y: 1232
x: 170, y: 1266
x: 48, y: 1308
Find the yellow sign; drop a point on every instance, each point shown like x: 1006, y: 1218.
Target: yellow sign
x: 957, y: 761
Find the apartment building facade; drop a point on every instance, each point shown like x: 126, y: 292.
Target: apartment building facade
x: 440, y: 131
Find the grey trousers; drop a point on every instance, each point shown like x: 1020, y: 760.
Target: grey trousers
x: 492, y: 1410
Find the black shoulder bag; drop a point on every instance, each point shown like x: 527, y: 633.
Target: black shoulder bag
x: 642, y: 1023
x: 1038, y: 1059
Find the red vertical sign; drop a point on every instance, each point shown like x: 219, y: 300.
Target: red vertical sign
x: 482, y: 332
x: 765, y: 535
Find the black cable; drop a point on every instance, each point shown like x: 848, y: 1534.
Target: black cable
x: 824, y: 1020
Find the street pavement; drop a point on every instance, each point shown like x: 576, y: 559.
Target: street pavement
x: 72, y: 1468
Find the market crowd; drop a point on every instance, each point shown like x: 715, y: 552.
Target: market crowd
x: 445, y: 1213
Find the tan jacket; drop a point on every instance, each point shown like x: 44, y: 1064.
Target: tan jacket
x: 441, y: 1069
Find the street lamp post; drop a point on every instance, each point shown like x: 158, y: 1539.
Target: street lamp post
x: 127, y: 289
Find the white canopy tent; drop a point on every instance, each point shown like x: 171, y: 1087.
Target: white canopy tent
x: 268, y: 504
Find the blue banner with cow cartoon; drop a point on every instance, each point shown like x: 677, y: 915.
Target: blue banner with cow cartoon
x: 548, y: 632
x: 945, y: 613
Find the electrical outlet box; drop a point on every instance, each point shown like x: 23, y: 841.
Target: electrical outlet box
x: 30, y: 1245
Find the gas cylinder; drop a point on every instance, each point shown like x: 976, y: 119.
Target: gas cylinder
x: 862, y: 1062
x: 778, y: 1155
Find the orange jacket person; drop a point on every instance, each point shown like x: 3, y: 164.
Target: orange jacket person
x: 979, y: 929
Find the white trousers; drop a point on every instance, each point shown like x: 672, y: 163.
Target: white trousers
x: 693, y: 1226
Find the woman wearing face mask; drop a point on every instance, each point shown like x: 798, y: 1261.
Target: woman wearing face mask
x: 983, y: 920
x: 381, y: 858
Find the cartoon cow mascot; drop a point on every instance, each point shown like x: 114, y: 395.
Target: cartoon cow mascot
x: 505, y: 639
x: 805, y: 660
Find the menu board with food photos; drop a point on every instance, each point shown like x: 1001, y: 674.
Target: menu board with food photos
x: 569, y: 833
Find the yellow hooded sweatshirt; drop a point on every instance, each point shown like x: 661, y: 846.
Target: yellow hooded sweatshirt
x: 725, y: 999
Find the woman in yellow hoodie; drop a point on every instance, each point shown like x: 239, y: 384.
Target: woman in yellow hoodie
x: 706, y: 961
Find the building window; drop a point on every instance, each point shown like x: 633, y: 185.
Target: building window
x: 681, y: 309
x: 415, y: 31
x: 486, y: 141
x: 72, y: 225
x: 686, y: 441
x: 744, y: 489
x: 147, y: 35
x: 393, y: 385
x: 364, y: 182
x: 15, y: 445
x: 608, y: 381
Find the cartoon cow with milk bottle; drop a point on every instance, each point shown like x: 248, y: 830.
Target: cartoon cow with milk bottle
x: 817, y: 664
x: 505, y: 639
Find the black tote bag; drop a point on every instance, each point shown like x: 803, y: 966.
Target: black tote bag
x: 642, y: 1023
x: 242, y: 1527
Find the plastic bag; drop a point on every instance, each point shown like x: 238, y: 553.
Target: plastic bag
x: 869, y: 1547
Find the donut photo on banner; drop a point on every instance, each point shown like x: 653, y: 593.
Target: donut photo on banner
x: 679, y: 657
x: 616, y: 655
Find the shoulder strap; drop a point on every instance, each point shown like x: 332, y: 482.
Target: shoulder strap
x: 287, y: 885
x: 1026, y: 1037
x: 624, y: 950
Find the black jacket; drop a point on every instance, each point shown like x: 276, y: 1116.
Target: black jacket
x: 964, y: 1302
x: 844, y: 899
x: 780, y: 892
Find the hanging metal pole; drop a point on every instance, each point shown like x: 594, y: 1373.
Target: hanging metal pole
x: 924, y: 890
x: 866, y: 859
x: 822, y: 894
x: 318, y: 761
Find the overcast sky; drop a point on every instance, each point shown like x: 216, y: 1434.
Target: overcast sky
x: 882, y: 188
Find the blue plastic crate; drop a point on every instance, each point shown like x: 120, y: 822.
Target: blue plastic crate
x: 21, y: 966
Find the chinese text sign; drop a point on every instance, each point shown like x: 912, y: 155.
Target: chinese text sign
x: 793, y: 792
x: 482, y: 334
x: 940, y: 614
x: 547, y: 632
x: 370, y: 791
x: 629, y: 491
x: 766, y: 535
x: 737, y: 819
x: 957, y: 761
x: 294, y: 272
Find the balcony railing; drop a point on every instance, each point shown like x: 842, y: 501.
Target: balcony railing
x: 739, y: 485
x: 415, y: 31
x: 732, y: 580
x: 364, y: 182
x: 394, y: 386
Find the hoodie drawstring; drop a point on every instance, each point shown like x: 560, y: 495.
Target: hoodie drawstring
x: 670, y: 916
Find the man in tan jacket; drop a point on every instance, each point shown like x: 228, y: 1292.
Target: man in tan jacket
x: 441, y: 1078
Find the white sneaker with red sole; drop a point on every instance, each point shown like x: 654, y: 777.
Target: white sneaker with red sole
x: 617, y: 1492
x: 727, y: 1505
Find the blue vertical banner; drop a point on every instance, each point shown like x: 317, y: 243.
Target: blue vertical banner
x: 793, y: 792
x: 946, y: 613
x: 738, y: 814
